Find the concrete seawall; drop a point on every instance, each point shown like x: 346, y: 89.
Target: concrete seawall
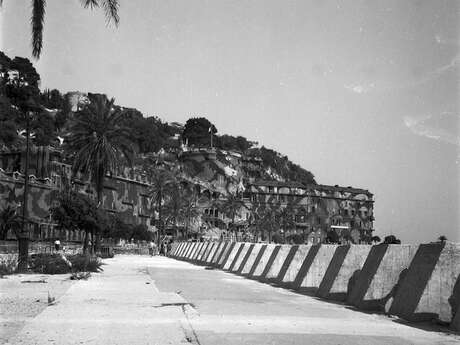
x: 414, y: 282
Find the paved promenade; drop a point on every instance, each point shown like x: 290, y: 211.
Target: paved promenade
x: 143, y: 300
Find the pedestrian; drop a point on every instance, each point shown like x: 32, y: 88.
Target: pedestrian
x: 57, y: 245
x: 168, y: 247
x: 151, y: 248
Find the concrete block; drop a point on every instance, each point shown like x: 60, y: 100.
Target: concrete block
x: 181, y: 249
x: 176, y: 247
x: 263, y: 261
x: 203, y: 250
x: 246, y: 258
x: 426, y: 292
x: 188, y: 250
x: 278, y: 262
x: 220, y: 256
x: 197, y: 251
x: 234, y: 254
x: 194, y: 250
x: 294, y: 267
x: 241, y: 257
x: 345, y: 262
x: 209, y: 250
x: 455, y: 323
x: 318, y: 267
x: 217, y: 252
x: 223, y: 259
x: 373, y: 286
x: 251, y: 259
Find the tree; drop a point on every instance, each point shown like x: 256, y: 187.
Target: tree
x: 190, y: 209
x: 391, y: 239
x: 231, y: 207
x: 376, y: 239
x: 332, y: 237
x: 270, y: 221
x: 9, y: 220
x: 198, y: 131
x: 173, y: 206
x: 37, y: 19
x: 161, y: 182
x: 76, y: 211
x: 100, y: 142
x: 286, y: 220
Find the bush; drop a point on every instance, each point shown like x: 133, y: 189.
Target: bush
x: 8, y: 264
x: 48, y: 264
x: 56, y: 264
x: 85, y: 263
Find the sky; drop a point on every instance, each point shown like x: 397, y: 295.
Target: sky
x: 362, y: 93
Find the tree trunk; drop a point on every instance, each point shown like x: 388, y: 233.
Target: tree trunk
x: 85, y: 242
x: 23, y: 243
x: 160, y: 196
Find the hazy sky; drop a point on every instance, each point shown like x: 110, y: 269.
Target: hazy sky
x: 362, y: 93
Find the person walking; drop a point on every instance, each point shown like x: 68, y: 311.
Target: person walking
x: 57, y: 245
x: 151, y: 248
x: 168, y: 247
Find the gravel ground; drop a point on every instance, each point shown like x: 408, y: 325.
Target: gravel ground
x: 24, y: 296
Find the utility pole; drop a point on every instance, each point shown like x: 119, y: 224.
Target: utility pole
x: 24, y: 234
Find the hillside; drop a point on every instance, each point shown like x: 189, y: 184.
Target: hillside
x: 233, y: 157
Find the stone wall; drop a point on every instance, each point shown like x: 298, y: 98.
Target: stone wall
x: 414, y: 282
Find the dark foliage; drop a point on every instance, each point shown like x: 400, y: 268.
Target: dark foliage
x: 391, y: 239
x: 197, y: 131
x: 55, y: 263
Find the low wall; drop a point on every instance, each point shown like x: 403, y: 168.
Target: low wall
x: 414, y: 282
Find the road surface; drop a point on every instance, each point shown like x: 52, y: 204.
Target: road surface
x: 143, y: 300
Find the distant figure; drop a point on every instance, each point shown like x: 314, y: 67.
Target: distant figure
x: 168, y: 247
x: 151, y: 248
x: 57, y: 245
x: 162, y: 248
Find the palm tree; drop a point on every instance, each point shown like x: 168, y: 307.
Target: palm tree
x: 9, y: 219
x: 100, y: 141
x: 190, y: 209
x: 286, y: 220
x: 231, y: 207
x: 162, y: 183
x: 270, y: 221
x: 173, y: 206
x: 37, y: 19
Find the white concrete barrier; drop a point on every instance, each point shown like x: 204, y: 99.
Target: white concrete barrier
x: 252, y: 258
x: 264, y: 260
x: 241, y: 257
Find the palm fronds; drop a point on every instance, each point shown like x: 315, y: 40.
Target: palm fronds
x: 37, y: 20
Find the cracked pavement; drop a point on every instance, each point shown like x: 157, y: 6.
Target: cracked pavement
x: 157, y: 300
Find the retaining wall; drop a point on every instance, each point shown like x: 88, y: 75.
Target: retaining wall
x: 415, y: 282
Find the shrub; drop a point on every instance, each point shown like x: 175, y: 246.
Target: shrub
x: 56, y: 264
x: 85, y: 263
x: 48, y: 264
x: 8, y: 264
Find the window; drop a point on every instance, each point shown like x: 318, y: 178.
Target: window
x: 300, y: 218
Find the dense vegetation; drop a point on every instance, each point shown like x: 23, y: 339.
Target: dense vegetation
x: 53, y: 116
